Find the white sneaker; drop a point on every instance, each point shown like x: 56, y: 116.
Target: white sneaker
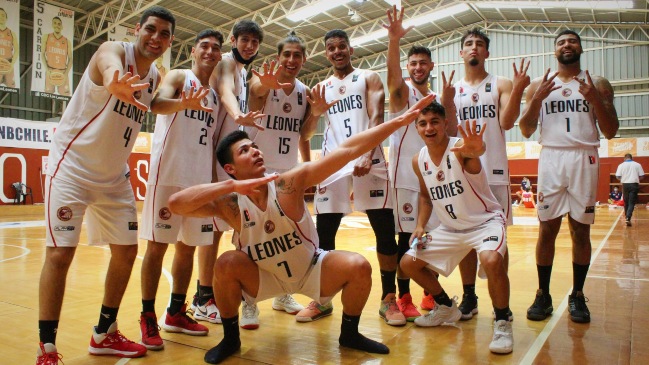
x: 249, y: 316
x: 503, y: 340
x: 207, y: 312
x: 440, y: 314
x: 287, y: 304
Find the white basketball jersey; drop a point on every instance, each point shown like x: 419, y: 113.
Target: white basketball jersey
x: 347, y: 118
x: 460, y: 200
x: 404, y: 144
x: 481, y: 103
x: 566, y: 119
x: 182, y: 152
x: 97, y: 131
x: 226, y: 124
x: 273, y: 241
x: 283, y: 121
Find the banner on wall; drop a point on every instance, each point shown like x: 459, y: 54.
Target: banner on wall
x: 9, y: 46
x: 20, y: 133
x: 52, y: 55
x: 619, y: 147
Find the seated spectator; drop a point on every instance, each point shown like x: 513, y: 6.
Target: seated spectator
x: 615, y: 198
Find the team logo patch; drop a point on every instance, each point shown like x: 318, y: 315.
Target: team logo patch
x: 130, y: 69
x: 322, y: 190
x: 354, y: 78
x: 407, y: 208
x: 162, y: 226
x: 132, y: 226
x: 64, y: 228
x: 566, y: 92
x: 591, y: 159
x: 248, y: 224
x: 164, y: 213
x: 441, y: 176
x: 461, y: 89
x: 329, y: 85
x: 426, y: 173
x: 207, y: 228
x: 426, y: 166
x: 205, y: 101
x: 491, y: 238
x: 475, y: 97
x: 590, y: 209
x: 299, y: 98
x: 269, y: 227
x: 64, y: 213
x: 342, y: 89
x: 246, y: 215
x: 487, y: 87
x: 376, y: 193
x: 150, y: 89
x: 375, y: 161
x: 541, y: 197
x: 287, y: 108
x: 138, y: 94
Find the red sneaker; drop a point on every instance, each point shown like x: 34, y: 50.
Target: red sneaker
x: 47, y: 355
x: 150, y: 331
x: 182, y: 323
x: 427, y: 302
x: 408, y: 309
x: 114, y: 343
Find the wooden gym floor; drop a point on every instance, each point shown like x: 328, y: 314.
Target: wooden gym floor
x: 617, y: 285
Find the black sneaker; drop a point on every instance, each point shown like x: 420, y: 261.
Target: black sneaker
x: 577, y: 307
x: 628, y: 222
x: 541, y: 308
x: 469, y: 306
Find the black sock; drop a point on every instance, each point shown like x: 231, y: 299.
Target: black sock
x: 47, y: 331
x: 404, y: 287
x: 469, y: 289
x: 579, y: 273
x: 176, y: 303
x: 502, y: 314
x: 228, y: 345
x: 205, y: 293
x: 107, y: 316
x: 443, y: 299
x: 148, y: 305
x: 544, y: 277
x: 387, y: 282
x: 349, y: 337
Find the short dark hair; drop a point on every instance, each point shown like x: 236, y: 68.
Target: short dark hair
x: 56, y: 17
x: 291, y: 38
x: 476, y: 33
x: 206, y: 33
x: 159, y: 12
x: 434, y: 108
x: 629, y: 156
x: 419, y: 50
x: 336, y: 33
x: 567, y: 31
x: 247, y: 26
x: 224, y: 149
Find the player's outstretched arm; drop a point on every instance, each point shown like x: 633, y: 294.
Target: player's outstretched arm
x: 470, y: 147
x: 171, y: 97
x: 210, y: 200
x: 396, y: 84
x: 511, y: 94
x: 315, y: 172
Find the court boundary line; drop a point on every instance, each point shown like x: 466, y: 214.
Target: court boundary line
x: 537, y: 345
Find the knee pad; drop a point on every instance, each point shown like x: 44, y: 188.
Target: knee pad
x: 403, y: 244
x: 382, y: 222
x: 327, y: 226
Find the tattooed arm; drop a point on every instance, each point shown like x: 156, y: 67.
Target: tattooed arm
x: 216, y: 199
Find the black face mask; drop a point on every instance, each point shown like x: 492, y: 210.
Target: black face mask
x: 240, y: 59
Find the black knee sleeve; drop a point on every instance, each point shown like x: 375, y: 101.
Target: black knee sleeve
x: 403, y: 244
x: 382, y: 222
x: 327, y: 225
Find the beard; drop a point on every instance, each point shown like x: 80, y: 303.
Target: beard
x: 474, y: 62
x: 423, y: 81
x: 569, y: 60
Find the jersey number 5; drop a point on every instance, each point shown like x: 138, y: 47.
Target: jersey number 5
x: 348, y: 127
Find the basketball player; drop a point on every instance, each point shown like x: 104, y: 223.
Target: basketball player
x: 182, y: 156
x: 404, y: 144
x: 454, y: 185
x: 567, y: 105
x: 57, y: 57
x: 360, y: 106
x: 9, y: 51
x: 229, y: 81
x: 88, y: 174
x: 288, y: 122
x: 277, y: 242
x: 494, y: 100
